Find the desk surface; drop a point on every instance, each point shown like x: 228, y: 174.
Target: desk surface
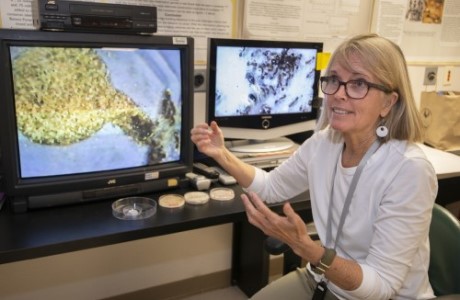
x: 62, y: 229
x: 446, y: 165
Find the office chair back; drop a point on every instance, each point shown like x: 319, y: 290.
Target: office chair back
x: 444, y: 269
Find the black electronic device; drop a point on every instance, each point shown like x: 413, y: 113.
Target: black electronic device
x: 270, y: 93
x: 63, y: 15
x: 85, y: 116
x: 205, y: 170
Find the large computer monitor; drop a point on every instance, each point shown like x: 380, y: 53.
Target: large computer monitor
x: 261, y: 91
x: 88, y: 116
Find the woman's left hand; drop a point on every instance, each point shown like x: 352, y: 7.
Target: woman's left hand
x: 290, y: 229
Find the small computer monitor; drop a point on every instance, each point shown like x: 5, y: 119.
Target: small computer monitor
x: 262, y: 91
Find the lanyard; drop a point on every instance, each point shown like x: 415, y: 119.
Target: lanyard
x: 351, y: 190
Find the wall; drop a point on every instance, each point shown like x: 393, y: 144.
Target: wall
x: 417, y: 73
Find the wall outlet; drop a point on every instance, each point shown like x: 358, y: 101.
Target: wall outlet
x: 431, y: 73
x: 448, y: 72
x: 199, y: 80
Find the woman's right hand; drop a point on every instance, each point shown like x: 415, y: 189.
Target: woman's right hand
x: 208, y: 139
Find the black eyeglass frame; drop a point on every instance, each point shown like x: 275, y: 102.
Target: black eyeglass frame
x: 344, y: 83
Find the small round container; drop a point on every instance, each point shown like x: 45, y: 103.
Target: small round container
x: 222, y: 194
x: 196, y: 198
x: 171, y: 201
x: 134, y: 208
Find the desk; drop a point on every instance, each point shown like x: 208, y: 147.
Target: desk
x: 63, y: 229
x: 447, y: 167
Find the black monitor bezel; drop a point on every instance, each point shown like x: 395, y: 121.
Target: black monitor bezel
x: 15, y: 186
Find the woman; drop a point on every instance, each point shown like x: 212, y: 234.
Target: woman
x: 374, y: 240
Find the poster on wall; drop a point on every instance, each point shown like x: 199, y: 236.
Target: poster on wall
x: 199, y: 19
x: 327, y: 21
x: 16, y: 14
x: 426, y: 30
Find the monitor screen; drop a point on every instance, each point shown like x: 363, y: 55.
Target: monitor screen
x: 81, y: 110
x: 102, y: 111
x: 267, y: 88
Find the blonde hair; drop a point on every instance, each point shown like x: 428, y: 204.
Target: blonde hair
x: 385, y: 61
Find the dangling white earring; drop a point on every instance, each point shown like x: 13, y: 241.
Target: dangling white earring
x: 382, y: 131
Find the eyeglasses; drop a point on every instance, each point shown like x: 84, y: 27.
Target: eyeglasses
x: 355, y: 89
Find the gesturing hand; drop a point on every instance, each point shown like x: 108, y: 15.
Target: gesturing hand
x: 208, y: 139
x: 289, y: 229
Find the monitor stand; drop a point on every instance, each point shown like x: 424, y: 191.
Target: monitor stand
x: 260, y: 146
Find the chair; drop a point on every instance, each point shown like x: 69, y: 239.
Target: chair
x: 444, y: 268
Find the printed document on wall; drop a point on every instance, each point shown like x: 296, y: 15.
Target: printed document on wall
x: 425, y: 30
x: 328, y: 21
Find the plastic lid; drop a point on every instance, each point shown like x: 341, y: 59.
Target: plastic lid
x: 134, y: 208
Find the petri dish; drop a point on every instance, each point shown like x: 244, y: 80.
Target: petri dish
x: 222, y: 194
x: 134, y: 208
x: 171, y: 201
x: 196, y: 198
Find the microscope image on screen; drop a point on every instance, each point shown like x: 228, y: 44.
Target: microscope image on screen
x: 264, y: 81
x: 86, y: 110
